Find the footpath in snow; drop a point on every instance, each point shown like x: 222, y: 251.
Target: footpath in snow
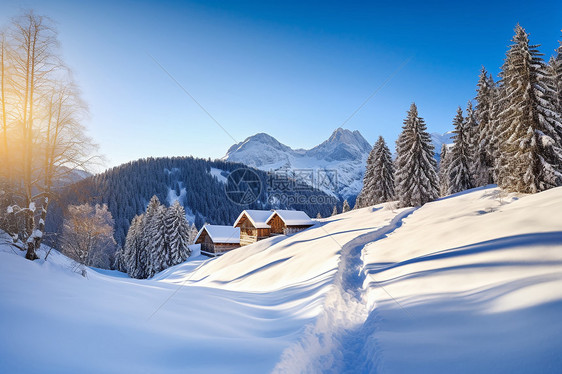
x: 334, y: 343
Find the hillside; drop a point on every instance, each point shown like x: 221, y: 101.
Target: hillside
x: 198, y: 184
x: 468, y: 283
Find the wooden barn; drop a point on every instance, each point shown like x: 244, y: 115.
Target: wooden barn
x: 216, y: 240
x: 288, y: 221
x: 253, y: 226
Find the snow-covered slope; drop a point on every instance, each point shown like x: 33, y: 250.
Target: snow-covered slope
x: 469, y: 283
x: 344, y: 152
x: 233, y: 314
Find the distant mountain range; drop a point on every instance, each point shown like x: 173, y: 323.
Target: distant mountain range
x: 345, y: 151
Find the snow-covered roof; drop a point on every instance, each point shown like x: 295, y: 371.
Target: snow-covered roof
x: 293, y: 217
x: 221, y: 234
x: 257, y: 217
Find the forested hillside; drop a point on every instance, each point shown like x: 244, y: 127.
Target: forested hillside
x: 198, y: 184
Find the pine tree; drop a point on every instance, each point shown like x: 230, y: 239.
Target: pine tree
x: 318, y: 216
x: 382, y: 185
x: 346, y: 207
x: 484, y: 140
x: 531, y: 127
x: 134, y: 252
x: 459, y: 167
x: 335, y: 211
x: 444, y: 171
x: 499, y: 106
x: 193, y: 233
x: 153, y: 236
x: 415, y: 176
x: 557, y: 77
x: 471, y: 127
x: 378, y: 182
x: 178, y: 231
x: 120, y: 262
x: 365, y: 197
x: 359, y: 200
x: 159, y: 249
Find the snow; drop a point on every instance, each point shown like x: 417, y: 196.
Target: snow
x: 258, y: 218
x: 221, y: 234
x: 468, y: 283
x: 218, y: 173
x: 344, y: 154
x: 292, y: 217
x: 173, y: 196
x: 476, y: 285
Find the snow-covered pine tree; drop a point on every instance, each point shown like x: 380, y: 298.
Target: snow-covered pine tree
x: 346, y: 207
x: 382, y: 183
x: 558, y: 76
x: 151, y: 236
x: 365, y: 197
x: 159, y: 249
x: 415, y: 177
x: 192, y: 233
x: 499, y: 106
x: 555, y: 75
x: 484, y: 141
x: 134, y: 251
x: 471, y: 127
x: 531, y: 127
x: 444, y: 162
x: 178, y: 232
x: 335, y: 210
x: 359, y: 200
x: 318, y: 216
x: 459, y: 167
x: 120, y: 263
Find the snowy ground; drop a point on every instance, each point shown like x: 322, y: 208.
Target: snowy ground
x: 470, y: 283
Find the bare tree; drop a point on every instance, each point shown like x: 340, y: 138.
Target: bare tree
x: 4, y: 151
x: 42, y: 116
x: 88, y: 235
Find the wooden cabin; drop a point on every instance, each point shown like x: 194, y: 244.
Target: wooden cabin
x: 288, y: 221
x: 216, y: 240
x: 253, y: 226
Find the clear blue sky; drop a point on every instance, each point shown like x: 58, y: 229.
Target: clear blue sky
x: 294, y: 69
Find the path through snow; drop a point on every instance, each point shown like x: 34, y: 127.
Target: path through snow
x: 336, y: 341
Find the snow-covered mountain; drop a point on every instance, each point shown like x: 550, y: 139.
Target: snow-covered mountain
x: 344, y: 151
x: 439, y: 139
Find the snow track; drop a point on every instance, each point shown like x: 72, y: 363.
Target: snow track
x: 337, y: 341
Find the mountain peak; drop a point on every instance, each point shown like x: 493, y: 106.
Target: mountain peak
x: 344, y: 151
x: 260, y: 139
x: 343, y: 144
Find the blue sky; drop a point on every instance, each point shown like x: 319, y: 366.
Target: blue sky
x: 296, y: 70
